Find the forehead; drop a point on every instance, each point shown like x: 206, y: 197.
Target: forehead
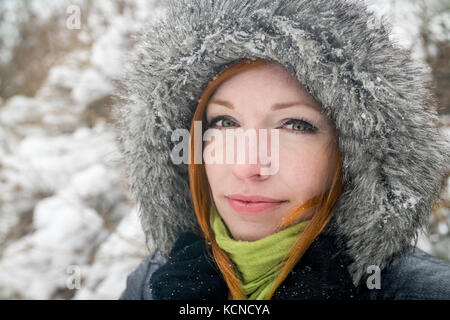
x: 264, y: 85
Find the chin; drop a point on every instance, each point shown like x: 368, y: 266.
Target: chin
x: 247, y: 235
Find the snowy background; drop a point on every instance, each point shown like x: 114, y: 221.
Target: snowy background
x: 68, y: 228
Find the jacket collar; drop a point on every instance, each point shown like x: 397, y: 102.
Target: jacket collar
x: 191, y: 273
x: 320, y: 274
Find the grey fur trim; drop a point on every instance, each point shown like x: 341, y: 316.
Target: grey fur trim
x: 393, y: 154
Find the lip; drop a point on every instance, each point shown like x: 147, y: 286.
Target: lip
x: 256, y: 198
x: 252, y: 205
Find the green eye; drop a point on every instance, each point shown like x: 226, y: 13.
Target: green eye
x: 226, y: 122
x: 300, y: 126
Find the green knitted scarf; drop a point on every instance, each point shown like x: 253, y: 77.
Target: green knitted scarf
x: 257, y: 261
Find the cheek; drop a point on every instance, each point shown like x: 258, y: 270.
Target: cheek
x: 215, y: 174
x: 210, y: 172
x: 305, y: 167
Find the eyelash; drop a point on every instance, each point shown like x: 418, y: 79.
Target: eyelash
x: 310, y: 129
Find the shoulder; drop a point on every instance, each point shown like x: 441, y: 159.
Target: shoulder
x: 417, y: 275
x: 189, y: 273
x: 138, y: 282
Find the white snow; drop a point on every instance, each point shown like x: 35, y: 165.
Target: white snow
x: 126, y: 246
x: 64, y: 200
x: 90, y: 87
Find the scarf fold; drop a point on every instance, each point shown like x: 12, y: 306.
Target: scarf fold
x: 258, y: 262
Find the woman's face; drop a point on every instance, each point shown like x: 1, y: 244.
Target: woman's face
x: 269, y: 97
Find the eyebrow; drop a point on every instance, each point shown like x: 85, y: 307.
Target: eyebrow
x: 276, y: 106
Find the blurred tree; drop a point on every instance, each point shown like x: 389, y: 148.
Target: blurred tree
x: 434, y: 17
x: 434, y: 36
x: 39, y: 46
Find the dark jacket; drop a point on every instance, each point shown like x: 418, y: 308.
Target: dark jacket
x: 191, y: 274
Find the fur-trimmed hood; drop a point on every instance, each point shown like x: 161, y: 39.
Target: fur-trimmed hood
x: 393, y: 154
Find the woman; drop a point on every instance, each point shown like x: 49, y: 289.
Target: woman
x: 356, y: 161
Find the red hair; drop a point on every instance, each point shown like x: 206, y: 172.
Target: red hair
x: 199, y: 186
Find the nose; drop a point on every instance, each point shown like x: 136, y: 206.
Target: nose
x: 249, y: 170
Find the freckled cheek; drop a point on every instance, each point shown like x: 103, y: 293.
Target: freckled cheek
x: 217, y: 175
x: 304, y: 165
x: 212, y: 172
